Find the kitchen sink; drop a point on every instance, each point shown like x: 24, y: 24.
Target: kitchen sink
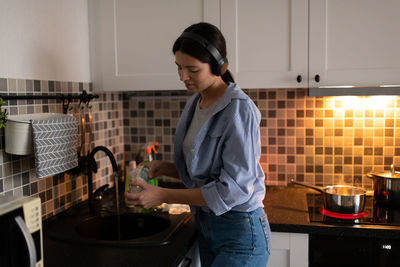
x: 104, y: 230
x: 110, y: 227
x: 74, y: 237
x: 127, y: 226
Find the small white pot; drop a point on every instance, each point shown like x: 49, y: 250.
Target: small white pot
x: 18, y: 132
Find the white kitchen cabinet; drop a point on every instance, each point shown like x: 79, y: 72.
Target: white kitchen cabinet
x: 131, y: 41
x: 270, y: 42
x: 354, y: 42
x: 288, y: 250
x: 266, y: 41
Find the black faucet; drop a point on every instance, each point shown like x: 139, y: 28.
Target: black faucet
x: 92, y: 167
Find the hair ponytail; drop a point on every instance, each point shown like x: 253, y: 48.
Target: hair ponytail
x: 227, y: 77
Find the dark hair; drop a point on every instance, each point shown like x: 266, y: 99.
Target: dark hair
x: 214, y: 36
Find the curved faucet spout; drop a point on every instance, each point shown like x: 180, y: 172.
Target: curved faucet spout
x: 92, y: 162
x: 92, y: 166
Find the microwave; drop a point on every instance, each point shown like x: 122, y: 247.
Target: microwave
x: 21, y: 237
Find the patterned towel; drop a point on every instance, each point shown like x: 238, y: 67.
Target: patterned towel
x: 55, y: 141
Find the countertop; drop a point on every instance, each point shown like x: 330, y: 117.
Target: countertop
x: 287, y: 211
x: 286, y: 208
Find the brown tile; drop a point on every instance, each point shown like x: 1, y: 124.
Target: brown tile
x: 358, y: 141
x: 300, y: 114
x: 319, y: 123
x: 347, y: 160
x: 338, y: 132
x: 389, y: 132
x: 368, y: 151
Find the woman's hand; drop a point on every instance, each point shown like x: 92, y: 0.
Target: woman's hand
x: 161, y: 167
x: 155, y: 168
x: 149, y: 197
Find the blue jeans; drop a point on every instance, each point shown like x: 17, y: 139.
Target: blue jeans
x: 234, y: 238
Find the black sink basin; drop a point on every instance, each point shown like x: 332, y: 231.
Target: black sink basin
x: 126, y: 227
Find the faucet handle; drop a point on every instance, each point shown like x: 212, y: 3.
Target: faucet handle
x: 98, y: 193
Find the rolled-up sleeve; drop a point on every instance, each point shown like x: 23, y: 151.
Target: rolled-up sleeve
x: 240, y: 155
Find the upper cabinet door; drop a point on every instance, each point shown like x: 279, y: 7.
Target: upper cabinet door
x: 354, y: 42
x: 131, y: 41
x: 267, y: 42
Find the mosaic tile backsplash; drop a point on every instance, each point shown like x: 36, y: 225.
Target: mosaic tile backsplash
x: 320, y: 141
x: 57, y: 193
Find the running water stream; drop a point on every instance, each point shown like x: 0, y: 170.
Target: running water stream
x: 117, y: 203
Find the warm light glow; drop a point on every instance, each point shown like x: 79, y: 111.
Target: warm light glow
x: 390, y: 85
x: 370, y: 102
x: 337, y: 86
x: 378, y: 102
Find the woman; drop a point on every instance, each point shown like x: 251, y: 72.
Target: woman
x: 217, y: 151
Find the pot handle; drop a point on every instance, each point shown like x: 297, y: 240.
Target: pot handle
x: 369, y: 175
x: 317, y: 188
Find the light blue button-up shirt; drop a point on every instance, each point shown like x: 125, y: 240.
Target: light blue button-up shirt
x: 224, y: 158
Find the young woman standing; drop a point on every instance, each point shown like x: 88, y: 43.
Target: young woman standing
x: 216, y: 155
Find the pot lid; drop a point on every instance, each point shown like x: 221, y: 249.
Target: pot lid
x: 392, y: 174
x: 388, y: 174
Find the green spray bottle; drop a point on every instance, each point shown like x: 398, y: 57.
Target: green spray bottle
x: 149, y: 151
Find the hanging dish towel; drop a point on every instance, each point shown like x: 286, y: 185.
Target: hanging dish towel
x: 55, y: 141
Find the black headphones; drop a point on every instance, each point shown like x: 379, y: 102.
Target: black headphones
x: 222, y: 62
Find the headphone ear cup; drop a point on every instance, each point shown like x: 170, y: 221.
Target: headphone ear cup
x: 223, y: 68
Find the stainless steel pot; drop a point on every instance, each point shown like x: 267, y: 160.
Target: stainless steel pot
x: 386, y: 187
x: 344, y: 199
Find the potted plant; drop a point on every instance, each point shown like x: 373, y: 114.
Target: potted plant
x: 3, y: 114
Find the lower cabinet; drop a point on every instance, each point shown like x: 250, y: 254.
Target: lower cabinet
x: 192, y: 257
x: 288, y: 250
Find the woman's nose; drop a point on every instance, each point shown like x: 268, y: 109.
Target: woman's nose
x: 183, y: 75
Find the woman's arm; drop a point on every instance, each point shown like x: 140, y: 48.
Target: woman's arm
x: 160, y: 167
x: 152, y: 196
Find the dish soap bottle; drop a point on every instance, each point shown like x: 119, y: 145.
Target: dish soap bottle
x: 150, y: 150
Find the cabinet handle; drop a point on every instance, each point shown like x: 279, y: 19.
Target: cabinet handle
x: 299, y: 78
x: 317, y: 78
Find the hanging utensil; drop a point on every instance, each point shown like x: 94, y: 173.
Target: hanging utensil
x: 90, y: 126
x: 82, y: 129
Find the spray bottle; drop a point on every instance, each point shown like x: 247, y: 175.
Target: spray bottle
x: 150, y: 150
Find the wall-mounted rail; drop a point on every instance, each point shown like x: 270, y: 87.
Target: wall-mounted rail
x: 66, y: 99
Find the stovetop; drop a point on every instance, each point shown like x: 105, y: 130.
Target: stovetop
x: 375, y: 214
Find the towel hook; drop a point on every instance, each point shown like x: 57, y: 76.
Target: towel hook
x: 66, y: 105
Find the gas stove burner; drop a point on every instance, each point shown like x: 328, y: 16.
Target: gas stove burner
x: 345, y: 216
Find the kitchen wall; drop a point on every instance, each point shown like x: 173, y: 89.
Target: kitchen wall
x: 321, y: 141
x: 18, y: 173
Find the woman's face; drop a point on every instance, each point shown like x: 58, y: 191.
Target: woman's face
x: 196, y: 75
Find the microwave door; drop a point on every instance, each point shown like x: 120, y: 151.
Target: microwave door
x: 16, y: 243
x: 28, y: 240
